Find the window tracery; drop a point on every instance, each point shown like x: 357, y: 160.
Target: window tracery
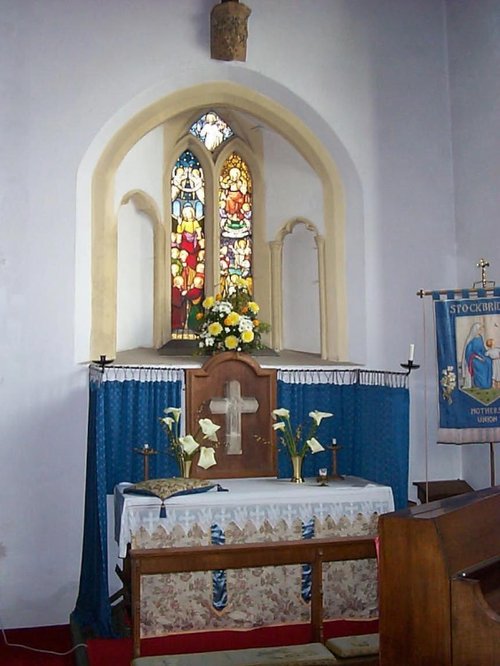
x: 211, y: 130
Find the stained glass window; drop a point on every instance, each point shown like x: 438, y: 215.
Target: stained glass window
x: 187, y: 248
x: 235, y: 219
x: 211, y: 130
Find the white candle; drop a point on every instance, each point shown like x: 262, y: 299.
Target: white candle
x: 146, y: 447
x: 412, y: 352
x: 334, y: 441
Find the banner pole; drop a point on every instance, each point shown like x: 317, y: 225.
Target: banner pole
x: 492, y: 464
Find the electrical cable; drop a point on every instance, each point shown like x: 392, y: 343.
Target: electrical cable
x: 33, y: 649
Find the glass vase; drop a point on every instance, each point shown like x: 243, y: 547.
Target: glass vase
x: 297, y: 469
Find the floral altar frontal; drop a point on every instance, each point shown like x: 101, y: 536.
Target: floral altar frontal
x: 252, y: 510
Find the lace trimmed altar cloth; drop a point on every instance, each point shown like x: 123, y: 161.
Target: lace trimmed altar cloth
x: 253, y: 510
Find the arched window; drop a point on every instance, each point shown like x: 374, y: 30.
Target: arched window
x: 187, y: 245
x: 209, y: 128
x: 235, y: 220
x: 211, y: 237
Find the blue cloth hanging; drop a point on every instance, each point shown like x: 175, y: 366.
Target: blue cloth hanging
x: 370, y: 424
x: 123, y: 415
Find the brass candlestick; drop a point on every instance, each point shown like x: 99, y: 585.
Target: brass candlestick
x: 146, y: 451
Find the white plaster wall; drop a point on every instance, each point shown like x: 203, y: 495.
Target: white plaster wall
x: 301, y: 292
x: 134, y: 325
x: 369, y: 78
x: 293, y: 189
x: 142, y: 169
x: 474, y: 54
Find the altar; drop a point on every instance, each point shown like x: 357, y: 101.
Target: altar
x: 370, y: 422
x: 252, y: 510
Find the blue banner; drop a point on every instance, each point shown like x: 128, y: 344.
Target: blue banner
x: 468, y: 354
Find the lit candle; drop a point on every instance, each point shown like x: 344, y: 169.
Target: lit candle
x: 146, y: 447
x: 412, y: 352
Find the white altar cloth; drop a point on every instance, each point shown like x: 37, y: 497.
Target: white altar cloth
x: 250, y: 500
x: 253, y: 510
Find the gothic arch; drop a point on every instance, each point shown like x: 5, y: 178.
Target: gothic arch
x: 193, y: 100
x: 277, y: 280
x: 144, y: 203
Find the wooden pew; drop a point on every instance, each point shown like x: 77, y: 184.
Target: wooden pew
x: 315, y: 552
x: 439, y: 573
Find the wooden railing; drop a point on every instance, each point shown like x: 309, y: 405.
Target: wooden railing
x: 315, y: 552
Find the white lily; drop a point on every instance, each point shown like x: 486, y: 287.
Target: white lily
x: 281, y: 413
x: 207, y: 457
x: 175, y: 411
x: 189, y: 444
x: 279, y: 426
x: 318, y: 416
x: 314, y: 445
x: 209, y: 429
x: 168, y: 421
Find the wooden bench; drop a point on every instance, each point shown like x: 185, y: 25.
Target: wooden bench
x: 314, y: 552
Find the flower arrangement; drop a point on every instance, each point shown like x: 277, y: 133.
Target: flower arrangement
x: 229, y: 321
x: 185, y: 448
x: 296, y: 444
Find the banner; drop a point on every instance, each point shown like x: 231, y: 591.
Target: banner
x: 468, y: 354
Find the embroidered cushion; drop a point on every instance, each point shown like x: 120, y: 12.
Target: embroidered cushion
x: 354, y: 646
x: 312, y: 654
x: 165, y: 488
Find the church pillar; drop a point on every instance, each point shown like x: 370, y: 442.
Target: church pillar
x: 276, y: 295
x: 320, y: 245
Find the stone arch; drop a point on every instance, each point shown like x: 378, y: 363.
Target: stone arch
x: 277, y: 280
x: 278, y: 118
x: 144, y: 203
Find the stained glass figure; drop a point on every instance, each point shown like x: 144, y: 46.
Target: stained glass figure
x: 187, y: 248
x: 235, y: 219
x: 211, y: 130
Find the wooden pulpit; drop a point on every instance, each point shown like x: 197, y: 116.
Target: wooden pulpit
x: 236, y: 393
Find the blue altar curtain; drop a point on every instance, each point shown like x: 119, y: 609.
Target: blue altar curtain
x: 370, y: 424
x: 123, y: 415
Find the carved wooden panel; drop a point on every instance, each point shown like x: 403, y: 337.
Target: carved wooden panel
x: 236, y: 393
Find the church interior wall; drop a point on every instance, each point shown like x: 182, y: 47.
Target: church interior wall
x: 142, y: 168
x: 135, y: 279
x: 293, y: 189
x: 374, y: 87
x: 474, y: 54
x: 300, y: 274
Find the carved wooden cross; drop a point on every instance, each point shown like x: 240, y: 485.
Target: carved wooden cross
x: 233, y: 405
